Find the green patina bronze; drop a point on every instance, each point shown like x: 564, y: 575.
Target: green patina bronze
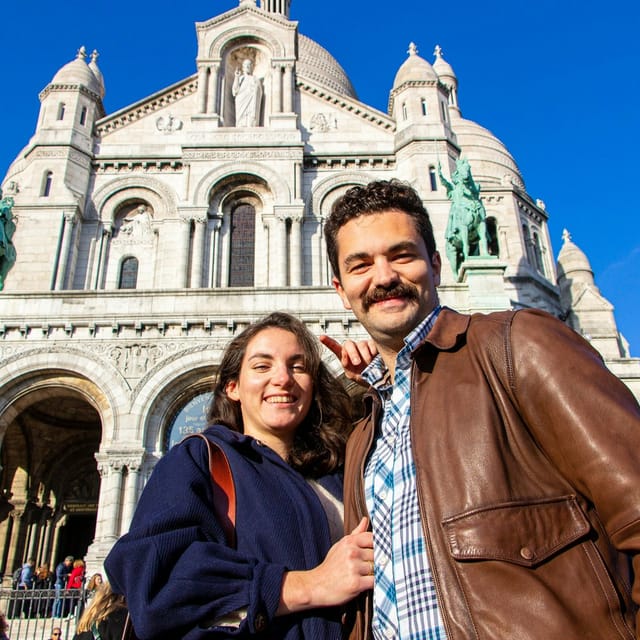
x: 466, y: 233
x: 7, y: 229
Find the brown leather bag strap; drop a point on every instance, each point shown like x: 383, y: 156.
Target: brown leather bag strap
x: 224, y: 490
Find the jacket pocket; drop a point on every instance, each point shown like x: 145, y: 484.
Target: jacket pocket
x: 525, y: 533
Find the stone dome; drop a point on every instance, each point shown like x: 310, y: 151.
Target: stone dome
x: 489, y: 158
x: 317, y: 64
x: 77, y: 72
x: 443, y: 68
x: 93, y: 65
x: 573, y: 263
x: 414, y: 69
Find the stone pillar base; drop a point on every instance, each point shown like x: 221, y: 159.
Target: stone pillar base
x: 484, y: 275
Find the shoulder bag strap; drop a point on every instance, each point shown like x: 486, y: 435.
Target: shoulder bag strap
x: 224, y: 503
x: 224, y: 491
x: 95, y: 632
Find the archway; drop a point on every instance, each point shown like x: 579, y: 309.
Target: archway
x: 49, y: 481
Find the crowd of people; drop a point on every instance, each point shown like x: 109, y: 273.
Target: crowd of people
x: 491, y: 488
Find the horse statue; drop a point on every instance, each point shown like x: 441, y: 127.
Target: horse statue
x: 466, y: 233
x: 7, y: 229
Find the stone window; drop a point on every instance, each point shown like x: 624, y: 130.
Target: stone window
x: 61, y: 108
x: 433, y: 181
x: 404, y: 110
x: 537, y: 253
x: 424, y: 107
x: 443, y: 108
x: 128, y: 273
x: 492, y: 237
x: 46, y: 184
x: 83, y: 116
x: 242, y: 255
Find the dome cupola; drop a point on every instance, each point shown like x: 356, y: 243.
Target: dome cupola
x: 414, y: 69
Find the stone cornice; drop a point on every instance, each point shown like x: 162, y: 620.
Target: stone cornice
x: 345, y: 162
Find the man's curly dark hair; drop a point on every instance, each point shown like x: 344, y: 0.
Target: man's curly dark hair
x: 375, y: 197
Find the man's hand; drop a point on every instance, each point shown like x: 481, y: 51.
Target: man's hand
x: 354, y: 356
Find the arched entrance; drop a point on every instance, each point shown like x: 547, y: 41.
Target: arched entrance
x: 49, y: 482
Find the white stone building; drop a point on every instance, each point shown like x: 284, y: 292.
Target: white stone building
x: 148, y: 237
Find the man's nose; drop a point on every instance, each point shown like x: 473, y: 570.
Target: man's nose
x: 384, y: 273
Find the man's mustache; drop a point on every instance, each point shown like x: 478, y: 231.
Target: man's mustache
x: 401, y: 290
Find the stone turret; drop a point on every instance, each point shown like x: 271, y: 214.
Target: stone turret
x: 281, y: 7
x: 586, y: 309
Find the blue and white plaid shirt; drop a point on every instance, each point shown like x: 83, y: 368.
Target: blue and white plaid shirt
x: 404, y: 595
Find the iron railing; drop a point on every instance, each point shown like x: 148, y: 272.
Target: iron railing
x: 32, y: 614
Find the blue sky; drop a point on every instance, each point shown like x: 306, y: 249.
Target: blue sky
x: 556, y: 80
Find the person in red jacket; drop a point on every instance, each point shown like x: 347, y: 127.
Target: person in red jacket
x: 76, y: 577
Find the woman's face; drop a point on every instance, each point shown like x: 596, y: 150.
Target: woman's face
x: 274, y: 388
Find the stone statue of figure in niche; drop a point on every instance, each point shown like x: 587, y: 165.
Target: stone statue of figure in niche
x: 7, y: 229
x: 466, y: 233
x: 137, y: 225
x: 247, y: 92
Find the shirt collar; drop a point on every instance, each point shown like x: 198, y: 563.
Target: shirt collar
x: 377, y: 374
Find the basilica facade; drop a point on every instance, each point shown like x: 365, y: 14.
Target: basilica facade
x: 145, y: 239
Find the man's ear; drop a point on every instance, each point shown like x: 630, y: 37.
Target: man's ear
x: 436, y: 267
x: 232, y: 390
x: 341, y: 293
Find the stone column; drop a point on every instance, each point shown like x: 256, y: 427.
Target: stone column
x: 224, y: 248
x: 109, y: 507
x: 130, y: 494
x: 197, y: 264
x: 203, y: 78
x: 287, y: 82
x: 213, y: 89
x: 16, y: 548
x: 65, y: 250
x: 182, y: 251
x: 276, y: 83
x: 102, y: 253
x: 58, y: 524
x: 295, y: 244
x: 214, y: 258
x: 282, y: 252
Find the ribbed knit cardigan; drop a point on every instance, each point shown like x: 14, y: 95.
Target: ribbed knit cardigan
x: 178, y: 575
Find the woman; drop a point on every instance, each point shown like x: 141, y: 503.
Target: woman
x: 282, y: 420
x: 44, y: 580
x: 104, y: 617
x: 76, y: 577
x: 94, y: 584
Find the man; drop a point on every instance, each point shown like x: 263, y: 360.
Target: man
x: 27, y: 575
x: 499, y: 460
x: 63, y: 569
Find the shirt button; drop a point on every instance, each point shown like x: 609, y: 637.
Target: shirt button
x: 526, y: 553
x: 388, y: 633
x: 383, y: 495
x: 260, y: 622
x: 383, y: 562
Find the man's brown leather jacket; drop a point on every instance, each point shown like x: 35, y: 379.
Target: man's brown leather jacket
x: 527, y: 454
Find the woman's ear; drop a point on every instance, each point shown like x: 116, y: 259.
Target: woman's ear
x: 232, y: 390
